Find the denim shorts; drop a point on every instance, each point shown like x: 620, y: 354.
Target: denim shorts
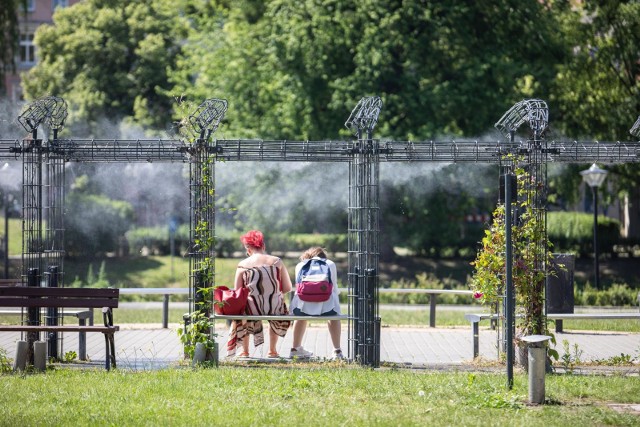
x: 297, y: 312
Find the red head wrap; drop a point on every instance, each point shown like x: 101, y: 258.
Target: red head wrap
x: 253, y: 239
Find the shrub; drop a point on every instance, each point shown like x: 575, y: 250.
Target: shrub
x: 617, y: 295
x: 573, y: 232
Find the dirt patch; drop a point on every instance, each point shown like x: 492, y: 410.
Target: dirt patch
x: 629, y: 408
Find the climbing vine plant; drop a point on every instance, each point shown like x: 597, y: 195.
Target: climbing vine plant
x: 197, y: 325
x: 531, y: 256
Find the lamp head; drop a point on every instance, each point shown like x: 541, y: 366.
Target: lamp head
x: 594, y: 176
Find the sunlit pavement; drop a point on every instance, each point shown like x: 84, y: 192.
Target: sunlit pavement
x: 152, y: 347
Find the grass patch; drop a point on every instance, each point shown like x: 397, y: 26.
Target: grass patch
x: 146, y: 272
x: 319, y: 395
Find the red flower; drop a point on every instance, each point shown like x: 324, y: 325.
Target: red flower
x: 478, y: 295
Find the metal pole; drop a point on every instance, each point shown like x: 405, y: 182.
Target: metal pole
x: 33, y: 280
x: 52, y: 314
x: 165, y: 311
x: 595, y: 237
x: 6, y: 236
x: 509, y: 303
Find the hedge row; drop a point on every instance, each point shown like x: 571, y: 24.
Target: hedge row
x: 573, y: 232
x: 155, y: 240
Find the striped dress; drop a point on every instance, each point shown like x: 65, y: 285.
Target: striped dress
x: 265, y: 297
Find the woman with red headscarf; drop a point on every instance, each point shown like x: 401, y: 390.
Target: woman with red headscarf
x: 267, y: 280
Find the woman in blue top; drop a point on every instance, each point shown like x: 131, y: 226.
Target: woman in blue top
x: 331, y: 307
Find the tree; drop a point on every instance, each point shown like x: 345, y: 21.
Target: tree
x: 597, y: 91
x: 109, y: 58
x: 9, y: 36
x: 299, y: 67
x: 95, y: 223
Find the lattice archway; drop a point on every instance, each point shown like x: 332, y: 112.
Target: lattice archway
x: 43, y: 178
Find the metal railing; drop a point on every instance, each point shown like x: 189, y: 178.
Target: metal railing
x: 167, y: 292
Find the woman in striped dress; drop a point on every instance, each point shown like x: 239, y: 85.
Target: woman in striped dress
x: 267, y: 279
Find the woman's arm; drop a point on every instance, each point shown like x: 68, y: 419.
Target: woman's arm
x: 284, y: 278
x: 334, y: 275
x: 239, y: 280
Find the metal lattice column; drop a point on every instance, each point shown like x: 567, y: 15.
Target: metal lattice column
x: 32, y: 197
x: 202, y: 219
x: 363, y: 252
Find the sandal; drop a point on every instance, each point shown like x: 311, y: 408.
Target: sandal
x: 273, y: 355
x: 243, y: 354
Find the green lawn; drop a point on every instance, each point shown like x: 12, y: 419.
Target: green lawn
x: 314, y: 396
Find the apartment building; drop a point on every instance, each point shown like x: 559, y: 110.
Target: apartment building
x: 38, y: 12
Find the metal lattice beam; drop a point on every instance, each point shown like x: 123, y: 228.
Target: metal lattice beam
x: 43, y: 199
x: 119, y: 150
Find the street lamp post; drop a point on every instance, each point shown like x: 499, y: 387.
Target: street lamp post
x: 594, y: 177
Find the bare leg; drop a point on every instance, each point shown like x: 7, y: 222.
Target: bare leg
x: 273, y: 340
x: 299, y: 328
x: 245, y: 341
x: 334, y: 331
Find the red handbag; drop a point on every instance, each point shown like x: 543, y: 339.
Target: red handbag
x: 230, y: 301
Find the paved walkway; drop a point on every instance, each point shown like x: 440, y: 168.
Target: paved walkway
x: 150, y: 346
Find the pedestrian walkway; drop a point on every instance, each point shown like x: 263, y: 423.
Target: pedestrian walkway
x: 151, y: 347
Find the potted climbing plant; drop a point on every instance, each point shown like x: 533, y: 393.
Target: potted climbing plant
x: 196, y: 332
x: 531, y: 256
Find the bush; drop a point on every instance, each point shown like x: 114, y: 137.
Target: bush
x: 618, y: 295
x: 573, y: 232
x: 95, y: 224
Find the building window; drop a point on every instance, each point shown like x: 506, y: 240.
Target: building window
x: 59, y: 3
x: 31, y: 5
x: 27, y: 49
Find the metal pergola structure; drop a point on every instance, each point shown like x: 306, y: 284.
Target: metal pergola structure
x: 43, y: 184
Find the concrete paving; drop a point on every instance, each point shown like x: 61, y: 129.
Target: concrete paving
x: 151, y: 347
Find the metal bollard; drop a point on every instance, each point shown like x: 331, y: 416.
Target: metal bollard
x: 20, y: 361
x: 537, y: 358
x: 200, y: 354
x: 40, y: 355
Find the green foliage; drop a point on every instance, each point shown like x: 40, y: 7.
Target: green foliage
x: 301, y: 64
x: 198, y: 327
x: 570, y: 357
x: 597, y: 90
x: 99, y: 223
x: 70, y: 356
x: 184, y: 397
x: 10, y: 14
x: 109, y: 58
x: 618, y: 295
x: 6, y: 364
x: 427, y: 214
x: 531, y: 252
x: 619, y: 360
x: 573, y: 232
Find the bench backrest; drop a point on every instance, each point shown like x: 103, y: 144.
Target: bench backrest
x: 27, y: 296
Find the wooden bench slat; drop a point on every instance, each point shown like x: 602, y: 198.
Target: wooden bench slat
x: 58, y: 302
x: 36, y: 291
x: 64, y: 328
x: 277, y: 317
x: 39, y: 297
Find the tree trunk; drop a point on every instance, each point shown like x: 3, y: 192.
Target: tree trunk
x: 631, y: 215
